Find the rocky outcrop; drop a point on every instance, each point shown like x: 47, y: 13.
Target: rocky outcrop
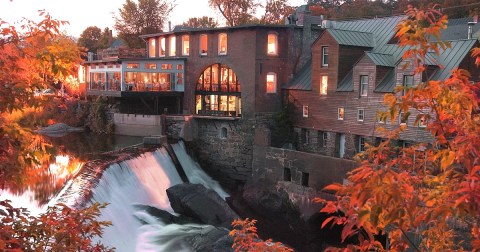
x: 203, y: 204
x: 58, y: 129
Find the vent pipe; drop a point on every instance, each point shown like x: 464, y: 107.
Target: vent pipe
x: 470, y: 27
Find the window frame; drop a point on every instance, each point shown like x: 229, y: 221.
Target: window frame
x: 183, y: 45
x: 324, y: 56
x: 361, y: 144
x: 305, y: 111
x: 363, y: 85
x: 420, y: 124
x: 223, y: 34
x: 400, y: 119
x: 323, y: 85
x: 343, y: 113
x: 172, y: 44
x: 274, y: 82
x: 362, y: 119
x: 275, y: 42
x: 152, y: 44
x: 324, y: 139
x: 200, y: 51
x: 162, y: 50
x: 405, y: 85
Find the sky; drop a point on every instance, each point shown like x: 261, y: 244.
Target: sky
x: 84, y: 13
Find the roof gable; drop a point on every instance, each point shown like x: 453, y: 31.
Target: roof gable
x: 352, y: 38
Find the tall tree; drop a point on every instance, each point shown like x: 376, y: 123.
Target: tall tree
x: 425, y: 190
x: 89, y: 38
x: 276, y: 11
x: 235, y: 12
x: 148, y: 16
x: 200, y: 22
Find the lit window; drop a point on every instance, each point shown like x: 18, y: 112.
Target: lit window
x: 341, y: 113
x: 361, y: 144
x: 203, y: 44
x: 422, y: 121
x: 185, y: 45
x: 363, y: 85
x: 325, y: 56
x: 132, y: 65
x: 166, y: 66
x: 179, y: 67
x: 271, y: 83
x: 323, y: 84
x: 403, y: 120
x: 173, y: 46
x: 162, y: 47
x: 360, y: 115
x: 150, y: 66
x: 407, y: 83
x: 151, y: 48
x: 222, y: 43
x: 272, y: 44
x: 305, y: 111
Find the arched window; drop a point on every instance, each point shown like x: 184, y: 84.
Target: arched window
x: 185, y: 45
x: 173, y: 46
x: 218, y: 92
x: 223, y: 133
x: 272, y: 44
x: 161, y: 49
x: 222, y: 44
x: 271, y: 83
x: 203, y: 44
x: 151, y: 48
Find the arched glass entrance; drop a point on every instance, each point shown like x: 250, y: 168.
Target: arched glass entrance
x: 218, y: 92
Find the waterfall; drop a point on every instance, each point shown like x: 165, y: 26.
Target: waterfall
x: 143, y: 180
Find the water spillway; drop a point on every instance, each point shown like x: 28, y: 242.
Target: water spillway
x: 143, y: 180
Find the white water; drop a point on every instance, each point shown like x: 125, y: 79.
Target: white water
x: 144, y: 180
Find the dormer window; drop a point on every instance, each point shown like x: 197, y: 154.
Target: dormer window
x: 173, y: 47
x: 222, y: 44
x: 151, y: 47
x: 324, y: 56
x: 203, y: 44
x: 161, y: 51
x: 185, y: 45
x: 272, y: 44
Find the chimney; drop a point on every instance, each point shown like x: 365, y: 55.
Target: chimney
x: 470, y: 27
x: 169, y: 26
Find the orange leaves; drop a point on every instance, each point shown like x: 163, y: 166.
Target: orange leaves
x: 476, y: 55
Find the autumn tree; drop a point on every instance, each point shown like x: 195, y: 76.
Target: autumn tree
x: 200, y: 22
x: 428, y: 191
x: 236, y: 12
x: 276, y: 11
x: 146, y: 17
x: 89, y: 38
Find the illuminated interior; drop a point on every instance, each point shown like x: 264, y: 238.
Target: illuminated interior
x: 162, y: 47
x: 222, y: 43
x: 151, y: 48
x: 203, y: 44
x: 271, y: 83
x: 185, y: 45
x: 173, y: 46
x: 272, y: 44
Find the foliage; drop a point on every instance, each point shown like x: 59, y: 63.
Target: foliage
x: 32, y: 57
x: 146, y: 17
x: 235, y: 12
x: 431, y: 191
x: 59, y: 229
x: 98, y: 117
x: 89, y: 38
x: 281, y: 129
x: 200, y: 22
x: 245, y: 238
x: 276, y: 11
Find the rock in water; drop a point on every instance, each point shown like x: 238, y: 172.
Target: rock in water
x: 204, y: 204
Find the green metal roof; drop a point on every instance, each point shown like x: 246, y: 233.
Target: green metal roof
x: 352, y: 38
x: 346, y: 84
x: 381, y: 59
x: 302, y: 80
x: 387, y: 84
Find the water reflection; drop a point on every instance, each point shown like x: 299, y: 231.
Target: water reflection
x: 63, y: 161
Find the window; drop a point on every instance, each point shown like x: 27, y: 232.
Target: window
x: 287, y: 174
x: 323, y: 84
x: 150, y: 66
x: 341, y: 113
x: 166, y: 66
x: 360, y: 115
x: 324, y: 56
x: 422, y: 121
x: 271, y: 83
x: 380, y: 118
x: 305, y: 177
x: 305, y: 111
x: 402, y: 119
x: 272, y: 44
x: 161, y: 51
x: 363, y: 85
x: 222, y: 44
x: 361, y: 144
x: 304, y: 136
x: 325, y: 138
x: 407, y: 83
x: 132, y: 65
x: 151, y: 48
x: 223, y: 133
x: 203, y: 44
x: 173, y: 46
x: 185, y: 45
x: 179, y: 67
